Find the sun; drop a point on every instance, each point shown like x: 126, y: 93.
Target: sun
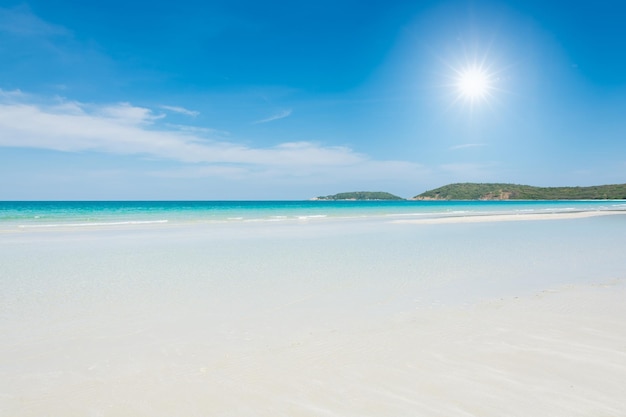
x: 474, y: 84
x: 474, y: 81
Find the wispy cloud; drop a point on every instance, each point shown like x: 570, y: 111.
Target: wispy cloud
x: 197, y: 130
x: 36, y: 122
x: 20, y: 21
x: 125, y: 113
x: 70, y: 126
x: 281, y: 115
x: 181, y: 110
x: 11, y: 94
x: 466, y: 146
x: 119, y: 128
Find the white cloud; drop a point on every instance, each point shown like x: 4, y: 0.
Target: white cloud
x: 277, y: 116
x: 181, y: 110
x: 127, y: 114
x: 130, y: 130
x: 205, y: 160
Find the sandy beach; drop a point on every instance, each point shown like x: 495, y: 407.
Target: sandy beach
x: 511, y: 217
x: 371, y: 318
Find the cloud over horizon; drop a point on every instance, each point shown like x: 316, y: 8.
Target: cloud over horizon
x: 125, y: 129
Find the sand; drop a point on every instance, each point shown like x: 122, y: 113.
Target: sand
x: 308, y: 321
x: 511, y: 217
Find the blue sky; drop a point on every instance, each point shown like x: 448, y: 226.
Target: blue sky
x: 290, y: 100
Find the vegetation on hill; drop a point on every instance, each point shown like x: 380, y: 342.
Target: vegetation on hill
x: 474, y: 191
x: 361, y: 195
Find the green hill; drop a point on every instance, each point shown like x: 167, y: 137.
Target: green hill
x: 361, y: 195
x: 475, y: 191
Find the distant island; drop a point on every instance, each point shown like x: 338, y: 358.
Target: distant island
x: 490, y: 191
x: 360, y: 196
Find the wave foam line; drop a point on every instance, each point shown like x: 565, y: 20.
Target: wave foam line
x: 29, y: 226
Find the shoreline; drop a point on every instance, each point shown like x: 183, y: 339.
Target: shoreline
x: 485, y: 218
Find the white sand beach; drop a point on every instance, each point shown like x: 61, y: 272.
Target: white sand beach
x: 511, y: 217
x: 318, y: 319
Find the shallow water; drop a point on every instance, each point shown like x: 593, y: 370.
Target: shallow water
x: 51, y: 214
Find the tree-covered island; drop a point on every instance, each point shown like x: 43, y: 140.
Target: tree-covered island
x: 491, y: 191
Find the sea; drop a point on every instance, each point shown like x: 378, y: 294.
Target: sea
x: 16, y: 215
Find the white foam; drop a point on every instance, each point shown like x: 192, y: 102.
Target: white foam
x: 32, y: 226
x: 312, y: 216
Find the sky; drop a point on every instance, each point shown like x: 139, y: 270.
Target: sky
x: 236, y: 100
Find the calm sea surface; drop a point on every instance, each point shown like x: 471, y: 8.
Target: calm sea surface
x: 103, y: 213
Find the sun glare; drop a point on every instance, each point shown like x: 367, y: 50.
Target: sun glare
x: 473, y: 81
x: 473, y: 84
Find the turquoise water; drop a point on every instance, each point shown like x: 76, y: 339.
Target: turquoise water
x: 102, y: 213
